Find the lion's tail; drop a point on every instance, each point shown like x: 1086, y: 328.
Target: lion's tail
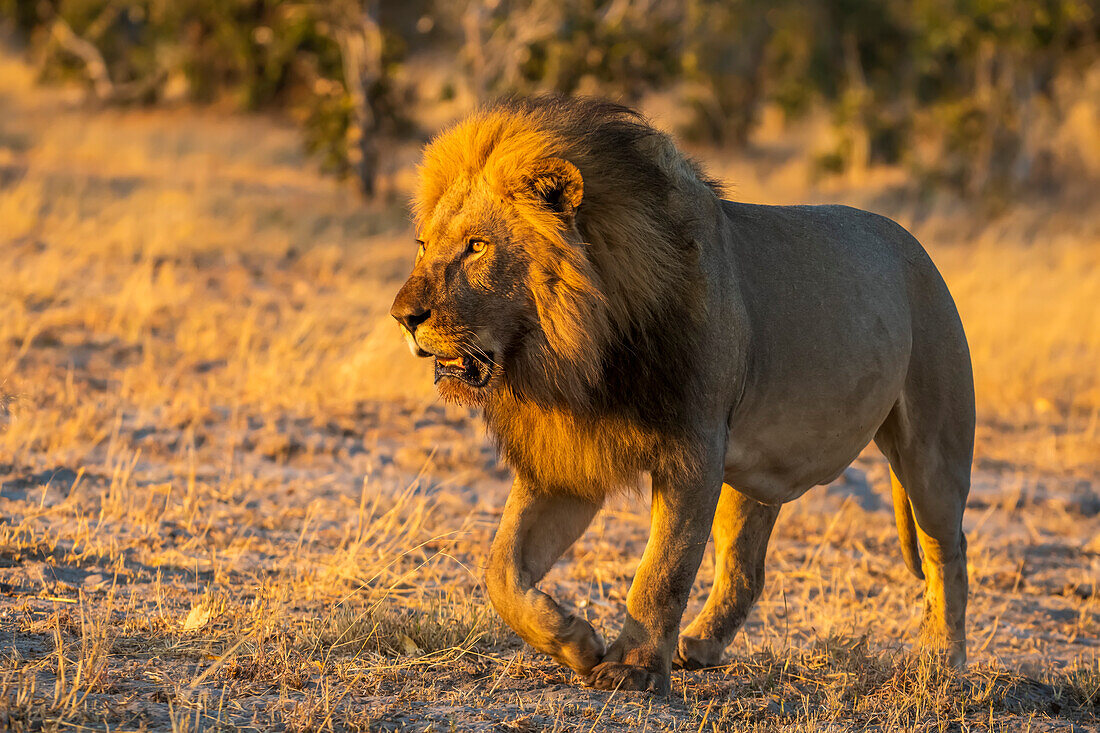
x: 907, y: 528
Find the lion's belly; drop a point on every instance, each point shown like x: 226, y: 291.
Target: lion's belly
x: 804, y: 428
x: 783, y: 471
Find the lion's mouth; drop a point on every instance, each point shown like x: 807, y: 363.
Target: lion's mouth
x: 474, y: 371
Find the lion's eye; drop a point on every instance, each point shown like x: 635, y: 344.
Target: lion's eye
x: 420, y: 249
x: 477, y: 246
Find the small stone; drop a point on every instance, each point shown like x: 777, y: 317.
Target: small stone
x: 95, y: 580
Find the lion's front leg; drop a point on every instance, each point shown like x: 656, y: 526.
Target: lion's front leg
x: 535, y: 530
x: 741, y: 531
x: 641, y: 658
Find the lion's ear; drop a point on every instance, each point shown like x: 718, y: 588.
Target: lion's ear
x: 558, y: 183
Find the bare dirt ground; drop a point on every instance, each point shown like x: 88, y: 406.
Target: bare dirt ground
x: 229, y: 499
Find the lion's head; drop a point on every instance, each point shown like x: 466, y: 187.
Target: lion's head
x: 531, y: 262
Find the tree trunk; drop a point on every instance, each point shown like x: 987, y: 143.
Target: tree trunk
x: 361, y: 52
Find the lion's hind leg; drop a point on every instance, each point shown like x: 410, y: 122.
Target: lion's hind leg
x: 928, y: 438
x: 943, y: 543
x: 535, y: 530
x: 742, y: 528
x: 933, y: 477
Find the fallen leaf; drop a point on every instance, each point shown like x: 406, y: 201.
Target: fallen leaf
x: 410, y: 646
x: 197, y: 617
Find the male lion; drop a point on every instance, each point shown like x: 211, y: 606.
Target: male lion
x: 584, y: 284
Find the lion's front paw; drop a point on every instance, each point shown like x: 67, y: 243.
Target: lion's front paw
x: 695, y: 653
x: 579, y: 647
x: 619, y: 676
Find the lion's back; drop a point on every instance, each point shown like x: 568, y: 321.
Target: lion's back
x: 819, y: 268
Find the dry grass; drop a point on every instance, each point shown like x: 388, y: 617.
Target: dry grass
x: 229, y: 499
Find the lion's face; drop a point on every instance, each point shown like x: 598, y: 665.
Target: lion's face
x: 468, y: 302
x: 502, y: 292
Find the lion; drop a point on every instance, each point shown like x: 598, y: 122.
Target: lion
x: 586, y: 286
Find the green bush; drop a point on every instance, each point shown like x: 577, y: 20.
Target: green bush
x: 248, y: 54
x: 959, y: 75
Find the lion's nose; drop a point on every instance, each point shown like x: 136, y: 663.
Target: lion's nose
x: 409, y: 316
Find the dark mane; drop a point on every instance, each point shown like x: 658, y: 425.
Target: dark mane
x: 633, y: 293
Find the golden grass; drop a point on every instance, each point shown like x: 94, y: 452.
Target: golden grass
x: 228, y: 497
x: 1033, y: 325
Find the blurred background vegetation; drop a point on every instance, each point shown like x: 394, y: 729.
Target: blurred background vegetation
x: 965, y: 94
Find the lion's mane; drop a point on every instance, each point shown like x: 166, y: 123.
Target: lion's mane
x: 598, y: 392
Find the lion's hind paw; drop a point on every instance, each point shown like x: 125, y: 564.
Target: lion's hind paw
x: 695, y: 653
